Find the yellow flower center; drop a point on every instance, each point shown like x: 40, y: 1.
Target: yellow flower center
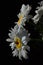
x: 18, y: 42
x: 20, y: 20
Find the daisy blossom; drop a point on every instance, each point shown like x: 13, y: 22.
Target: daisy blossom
x: 19, y: 41
x: 39, y: 13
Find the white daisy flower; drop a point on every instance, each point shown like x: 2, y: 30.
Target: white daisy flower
x: 23, y: 15
x: 39, y: 13
x: 19, y: 42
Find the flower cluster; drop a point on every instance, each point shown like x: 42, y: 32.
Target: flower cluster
x: 18, y: 36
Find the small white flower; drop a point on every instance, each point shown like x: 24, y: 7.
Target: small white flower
x: 19, y: 42
x: 39, y: 13
x: 23, y: 15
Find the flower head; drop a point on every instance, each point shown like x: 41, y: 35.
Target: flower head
x: 39, y: 13
x: 23, y: 15
x: 19, y: 41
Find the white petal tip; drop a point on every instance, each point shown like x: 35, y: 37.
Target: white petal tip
x: 7, y: 40
x: 29, y: 34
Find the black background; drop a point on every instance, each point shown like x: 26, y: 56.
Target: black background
x: 9, y: 11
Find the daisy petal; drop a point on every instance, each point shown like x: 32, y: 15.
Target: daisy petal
x: 28, y: 48
x: 24, y: 54
x: 25, y: 42
x: 20, y: 55
x: 12, y: 45
x: 15, y: 52
x: 23, y: 38
x: 9, y: 40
